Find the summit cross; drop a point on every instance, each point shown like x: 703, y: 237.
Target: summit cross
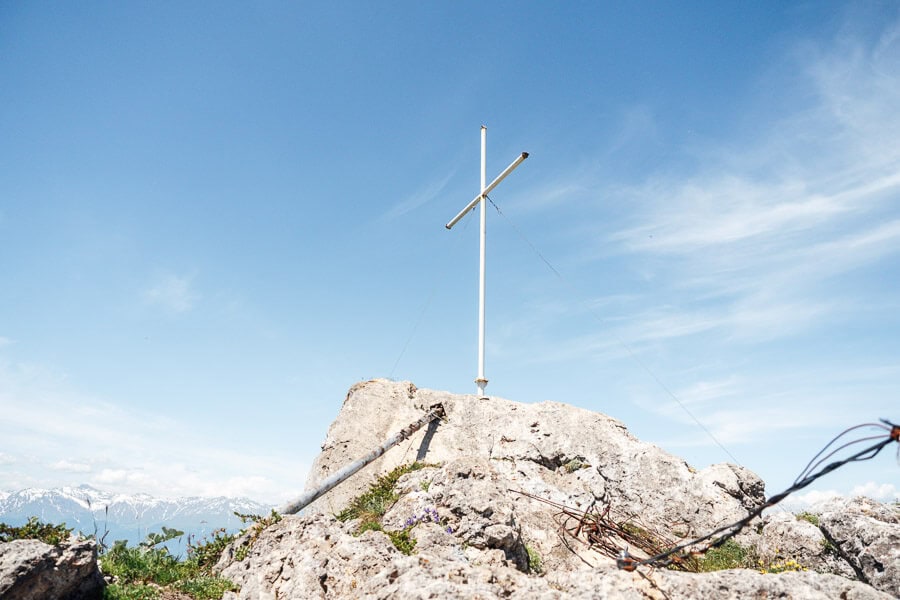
x: 480, y: 381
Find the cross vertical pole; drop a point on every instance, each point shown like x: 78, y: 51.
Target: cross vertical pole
x: 480, y: 381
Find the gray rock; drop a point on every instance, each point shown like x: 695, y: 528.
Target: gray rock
x: 477, y: 537
x: 317, y: 556
x: 582, y: 455
x: 867, y: 534
x: 33, y: 570
x: 786, y: 537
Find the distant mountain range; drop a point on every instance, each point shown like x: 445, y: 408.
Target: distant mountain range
x: 126, y: 517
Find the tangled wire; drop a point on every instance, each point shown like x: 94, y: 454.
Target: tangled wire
x: 608, y: 534
x: 809, y: 474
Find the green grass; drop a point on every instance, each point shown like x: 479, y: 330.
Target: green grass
x: 206, y: 587
x: 142, y: 571
x: 575, y: 464
x: 34, y: 529
x: 534, y: 560
x: 208, y: 551
x: 381, y: 496
x: 729, y: 555
x: 259, y: 525
x: 130, y: 592
x: 402, y: 541
x: 372, y: 505
x: 808, y: 517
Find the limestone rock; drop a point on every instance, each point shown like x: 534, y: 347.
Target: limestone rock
x: 472, y: 551
x: 479, y: 531
x: 547, y: 448
x: 867, y: 534
x: 33, y: 570
x: 786, y: 537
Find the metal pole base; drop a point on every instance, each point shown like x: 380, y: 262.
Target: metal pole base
x: 481, y: 383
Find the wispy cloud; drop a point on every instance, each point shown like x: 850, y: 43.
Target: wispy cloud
x: 751, y: 246
x: 759, y: 231
x: 70, y: 466
x: 172, y: 293
x: 126, y: 449
x: 418, y: 198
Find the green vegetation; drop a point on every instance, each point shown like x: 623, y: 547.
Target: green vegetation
x: 258, y: 526
x: 34, y: 529
x: 141, y: 572
x: 534, y: 560
x: 730, y: 555
x: 371, y: 506
x: 132, y: 592
x: 208, y: 552
x: 809, y: 517
x: 635, y: 531
x: 575, y: 464
x: 145, y: 571
x: 781, y: 566
x: 829, y: 548
x: 402, y: 540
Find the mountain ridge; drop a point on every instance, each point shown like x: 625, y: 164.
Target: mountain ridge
x: 130, y: 517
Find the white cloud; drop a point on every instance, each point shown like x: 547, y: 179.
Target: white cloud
x: 883, y: 492
x: 70, y: 466
x: 733, y: 426
x: 721, y: 210
x: 418, y: 198
x: 172, y: 293
x: 811, y: 500
x: 77, y: 439
x: 753, y: 245
x: 820, y: 499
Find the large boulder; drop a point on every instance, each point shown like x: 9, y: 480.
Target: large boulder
x: 786, y: 537
x: 474, y: 548
x: 33, y: 570
x: 549, y: 449
x: 498, y: 511
x: 867, y: 534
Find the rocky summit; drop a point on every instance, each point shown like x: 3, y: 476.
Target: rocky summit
x: 539, y: 501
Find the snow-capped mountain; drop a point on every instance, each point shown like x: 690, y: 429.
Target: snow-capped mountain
x: 125, y: 517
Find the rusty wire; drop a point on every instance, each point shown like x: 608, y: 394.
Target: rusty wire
x: 619, y: 538
x: 718, y: 537
x: 610, y: 534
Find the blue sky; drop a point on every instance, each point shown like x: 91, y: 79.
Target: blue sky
x: 216, y: 217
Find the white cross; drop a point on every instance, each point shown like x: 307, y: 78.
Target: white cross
x: 480, y: 381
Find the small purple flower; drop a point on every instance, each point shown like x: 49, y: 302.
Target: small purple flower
x: 449, y: 530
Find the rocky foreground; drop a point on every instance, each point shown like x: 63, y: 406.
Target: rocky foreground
x: 475, y: 536
x: 486, y: 517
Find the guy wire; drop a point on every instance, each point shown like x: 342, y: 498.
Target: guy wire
x: 428, y: 301
x: 621, y: 342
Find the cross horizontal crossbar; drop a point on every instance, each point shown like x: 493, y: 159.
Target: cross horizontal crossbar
x: 487, y: 190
